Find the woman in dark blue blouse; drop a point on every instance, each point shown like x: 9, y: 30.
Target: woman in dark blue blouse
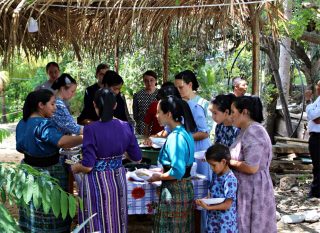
x: 39, y: 140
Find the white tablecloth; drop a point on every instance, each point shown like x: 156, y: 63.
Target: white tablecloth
x: 142, y: 197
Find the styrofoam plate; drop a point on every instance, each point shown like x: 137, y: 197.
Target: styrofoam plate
x: 156, y: 146
x: 200, y: 154
x: 158, y: 141
x: 212, y: 201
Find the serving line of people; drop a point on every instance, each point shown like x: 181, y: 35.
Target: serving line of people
x: 233, y: 167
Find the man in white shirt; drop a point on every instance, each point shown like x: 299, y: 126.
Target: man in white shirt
x: 313, y: 115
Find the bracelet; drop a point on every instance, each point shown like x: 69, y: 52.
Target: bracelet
x: 308, y: 101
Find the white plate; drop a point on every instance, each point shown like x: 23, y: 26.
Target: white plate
x: 212, y: 201
x: 156, y: 146
x: 200, y: 154
x: 158, y: 141
x: 134, y: 176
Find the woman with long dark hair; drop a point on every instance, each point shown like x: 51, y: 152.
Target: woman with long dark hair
x: 251, y: 156
x: 39, y: 140
x: 104, y: 186
x: 175, y: 209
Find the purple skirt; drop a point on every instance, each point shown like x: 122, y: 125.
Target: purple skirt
x: 104, y: 193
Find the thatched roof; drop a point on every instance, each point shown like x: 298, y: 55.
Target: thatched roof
x: 98, y: 26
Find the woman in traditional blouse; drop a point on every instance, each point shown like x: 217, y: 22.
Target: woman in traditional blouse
x: 66, y: 87
x: 104, y: 186
x: 175, y: 209
x: 39, y: 140
x: 143, y: 99
x: 251, y: 156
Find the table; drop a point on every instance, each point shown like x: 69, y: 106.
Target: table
x: 143, y: 196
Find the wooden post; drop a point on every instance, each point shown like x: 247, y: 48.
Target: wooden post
x: 255, y: 30
x: 116, y: 57
x: 166, y: 30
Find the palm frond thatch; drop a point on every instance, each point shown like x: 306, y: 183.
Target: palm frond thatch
x: 98, y: 26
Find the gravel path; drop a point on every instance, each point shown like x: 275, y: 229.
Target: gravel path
x: 8, y: 151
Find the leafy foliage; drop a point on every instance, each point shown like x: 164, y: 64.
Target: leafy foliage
x: 21, y: 183
x: 302, y: 18
x: 3, y: 134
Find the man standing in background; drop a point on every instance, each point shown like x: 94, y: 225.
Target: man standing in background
x: 88, y: 113
x: 313, y: 116
x: 240, y: 86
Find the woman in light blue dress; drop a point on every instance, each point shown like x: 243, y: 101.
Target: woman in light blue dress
x: 186, y: 82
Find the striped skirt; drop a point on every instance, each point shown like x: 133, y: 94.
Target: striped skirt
x: 104, y: 193
x: 35, y: 220
x: 175, y: 212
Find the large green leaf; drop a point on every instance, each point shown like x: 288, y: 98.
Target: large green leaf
x: 28, y: 189
x: 7, y: 223
x: 36, y: 195
x: 55, y: 201
x: 64, y: 204
x: 72, y: 206
x: 20, y: 181
x: 10, y: 179
x: 46, y: 190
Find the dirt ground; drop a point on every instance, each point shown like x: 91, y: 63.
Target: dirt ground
x: 288, y: 202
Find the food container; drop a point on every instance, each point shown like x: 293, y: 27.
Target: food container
x: 151, y: 154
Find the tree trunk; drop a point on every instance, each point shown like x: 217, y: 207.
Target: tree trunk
x: 285, y: 57
x: 255, y: 30
x: 271, y: 104
x: 270, y: 50
x: 309, y: 65
x: 3, y: 107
